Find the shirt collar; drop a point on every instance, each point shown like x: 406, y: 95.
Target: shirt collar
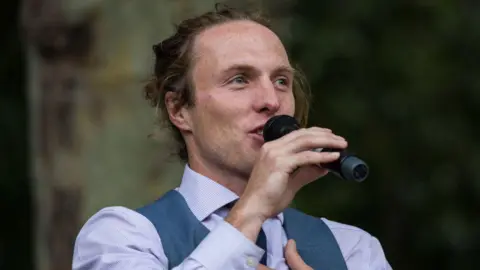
x: 205, y: 196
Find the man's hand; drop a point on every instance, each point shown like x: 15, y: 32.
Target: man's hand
x: 285, y: 165
x: 281, y: 169
x: 294, y: 261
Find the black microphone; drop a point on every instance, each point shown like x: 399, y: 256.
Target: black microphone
x: 347, y: 166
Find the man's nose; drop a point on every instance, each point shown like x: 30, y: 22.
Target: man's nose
x: 267, y: 98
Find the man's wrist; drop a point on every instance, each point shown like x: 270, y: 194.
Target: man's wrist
x: 246, y: 218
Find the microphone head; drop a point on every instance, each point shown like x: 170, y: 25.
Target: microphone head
x: 278, y: 126
x: 353, y: 168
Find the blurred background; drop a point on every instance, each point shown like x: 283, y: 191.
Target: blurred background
x: 399, y: 79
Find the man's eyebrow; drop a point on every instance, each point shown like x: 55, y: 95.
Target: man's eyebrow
x: 249, y: 68
x: 285, y: 69
x: 239, y: 67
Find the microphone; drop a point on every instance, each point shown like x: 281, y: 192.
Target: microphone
x: 347, y: 166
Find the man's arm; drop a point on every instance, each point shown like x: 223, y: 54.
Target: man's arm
x: 118, y: 238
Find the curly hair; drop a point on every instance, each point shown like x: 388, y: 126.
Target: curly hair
x: 173, y: 64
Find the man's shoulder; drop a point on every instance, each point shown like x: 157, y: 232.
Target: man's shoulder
x: 343, y: 228
x: 115, y: 219
x: 353, y: 240
x: 113, y: 213
x: 349, y: 238
x: 334, y: 226
x: 117, y: 233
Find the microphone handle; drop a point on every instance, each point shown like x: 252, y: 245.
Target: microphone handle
x: 347, y: 166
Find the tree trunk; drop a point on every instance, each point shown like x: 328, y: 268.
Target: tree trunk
x: 87, y: 62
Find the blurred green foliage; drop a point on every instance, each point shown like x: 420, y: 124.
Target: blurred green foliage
x: 399, y: 79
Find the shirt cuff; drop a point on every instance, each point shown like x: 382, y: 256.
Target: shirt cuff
x: 225, y: 247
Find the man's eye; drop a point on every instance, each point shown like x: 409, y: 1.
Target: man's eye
x: 240, y: 79
x: 282, y: 81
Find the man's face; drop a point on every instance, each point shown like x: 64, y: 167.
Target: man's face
x: 242, y: 77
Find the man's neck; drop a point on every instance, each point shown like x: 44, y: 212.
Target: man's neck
x: 224, y: 177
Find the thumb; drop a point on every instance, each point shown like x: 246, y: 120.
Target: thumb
x: 294, y: 261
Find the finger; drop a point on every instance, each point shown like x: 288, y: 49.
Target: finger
x: 311, y: 141
x: 294, y: 261
x: 304, y: 176
x: 311, y: 158
x: 319, y: 131
x: 263, y: 267
x: 314, y: 171
x: 316, y: 131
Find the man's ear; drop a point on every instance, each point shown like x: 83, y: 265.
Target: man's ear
x: 178, y: 114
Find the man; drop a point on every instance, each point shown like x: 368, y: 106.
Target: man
x: 218, y: 79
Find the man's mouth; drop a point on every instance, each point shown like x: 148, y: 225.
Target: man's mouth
x: 258, y: 134
x: 258, y: 131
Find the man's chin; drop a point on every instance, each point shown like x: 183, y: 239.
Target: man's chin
x: 245, y: 167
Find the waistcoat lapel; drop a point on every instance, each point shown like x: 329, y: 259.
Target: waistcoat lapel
x: 178, y: 228
x: 316, y: 244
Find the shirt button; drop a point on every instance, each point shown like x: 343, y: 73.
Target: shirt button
x: 250, y: 262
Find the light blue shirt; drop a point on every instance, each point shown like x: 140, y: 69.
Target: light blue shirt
x: 119, y: 238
